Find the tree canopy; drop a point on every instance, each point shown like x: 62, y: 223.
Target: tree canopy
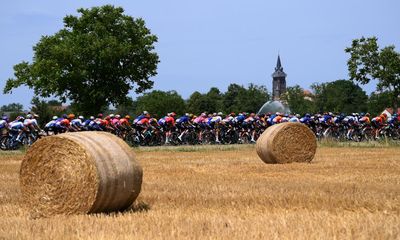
x: 160, y: 103
x: 298, y: 101
x: 340, y: 96
x: 368, y: 62
x: 94, y: 60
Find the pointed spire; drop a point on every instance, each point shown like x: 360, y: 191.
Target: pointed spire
x: 278, y: 64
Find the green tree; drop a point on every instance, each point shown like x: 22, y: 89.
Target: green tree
x: 12, y: 110
x: 160, y: 103
x: 126, y: 108
x: 45, y: 109
x: 368, y: 62
x: 298, y: 101
x: 197, y: 103
x: 95, y: 60
x: 377, y: 102
x: 340, y: 96
x: 12, y: 107
x: 238, y: 98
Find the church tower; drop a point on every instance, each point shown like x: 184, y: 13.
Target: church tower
x: 278, y: 81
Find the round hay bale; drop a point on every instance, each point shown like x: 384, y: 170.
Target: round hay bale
x: 85, y: 172
x: 286, y: 143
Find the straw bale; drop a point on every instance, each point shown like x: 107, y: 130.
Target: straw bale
x: 286, y: 143
x: 85, y: 172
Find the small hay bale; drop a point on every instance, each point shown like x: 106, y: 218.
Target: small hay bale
x: 286, y: 143
x: 85, y: 172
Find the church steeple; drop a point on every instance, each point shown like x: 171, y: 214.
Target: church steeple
x: 278, y: 64
x: 278, y: 81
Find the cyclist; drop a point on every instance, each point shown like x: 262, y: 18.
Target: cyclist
x: 17, y: 127
x: 4, y: 125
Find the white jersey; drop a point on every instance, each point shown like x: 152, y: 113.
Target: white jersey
x: 3, y: 123
x: 30, y: 122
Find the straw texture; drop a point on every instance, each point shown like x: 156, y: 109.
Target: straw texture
x: 85, y: 172
x: 286, y: 143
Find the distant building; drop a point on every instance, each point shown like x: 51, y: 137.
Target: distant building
x: 278, y: 81
x: 278, y: 88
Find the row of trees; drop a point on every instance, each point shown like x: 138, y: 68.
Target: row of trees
x: 342, y: 96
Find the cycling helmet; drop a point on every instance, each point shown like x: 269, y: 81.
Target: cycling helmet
x: 71, y: 116
x: 117, y: 116
x: 128, y: 117
x: 5, y: 118
x: 20, y: 118
x: 100, y: 115
x: 112, y: 115
x: 64, y: 116
x: 220, y: 113
x: 81, y: 117
x: 54, y: 117
x: 173, y: 114
x: 91, y: 117
x: 29, y: 116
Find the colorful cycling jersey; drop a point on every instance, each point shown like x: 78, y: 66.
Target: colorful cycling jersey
x: 249, y: 120
x: 153, y: 121
x: 377, y: 120
x: 277, y: 119
x: 161, y: 122
x: 199, y: 119
x: 123, y: 122
x: 3, y: 124
x: 305, y: 120
x: 143, y: 121
x: 350, y: 120
x: 392, y: 120
x: 181, y: 120
x: 215, y: 119
x: 76, y: 122
x: 294, y: 119
x: 16, y: 125
x: 228, y: 119
x: 30, y: 122
x: 170, y: 121
x: 365, y: 119
x: 63, y: 123
x: 114, y: 121
x: 140, y: 117
x: 240, y: 118
x: 326, y: 118
x: 50, y: 124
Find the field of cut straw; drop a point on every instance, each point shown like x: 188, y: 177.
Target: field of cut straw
x: 227, y: 192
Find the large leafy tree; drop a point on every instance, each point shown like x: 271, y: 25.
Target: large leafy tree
x: 210, y: 102
x: 368, y: 62
x: 239, y: 98
x: 160, y: 103
x: 340, y: 96
x: 94, y: 60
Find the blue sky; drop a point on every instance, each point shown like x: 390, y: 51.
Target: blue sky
x: 208, y: 43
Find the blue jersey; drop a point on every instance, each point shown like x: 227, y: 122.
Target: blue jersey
x: 183, y: 119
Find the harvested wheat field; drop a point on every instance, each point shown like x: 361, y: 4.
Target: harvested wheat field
x: 227, y: 192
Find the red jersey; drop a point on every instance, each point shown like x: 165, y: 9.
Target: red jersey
x: 143, y: 121
x: 170, y: 121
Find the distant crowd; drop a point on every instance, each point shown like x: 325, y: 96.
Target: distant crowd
x: 217, y: 128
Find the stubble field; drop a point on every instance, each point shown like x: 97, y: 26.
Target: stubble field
x: 226, y: 192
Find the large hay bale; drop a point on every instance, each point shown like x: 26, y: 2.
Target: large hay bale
x: 286, y: 143
x: 85, y: 172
